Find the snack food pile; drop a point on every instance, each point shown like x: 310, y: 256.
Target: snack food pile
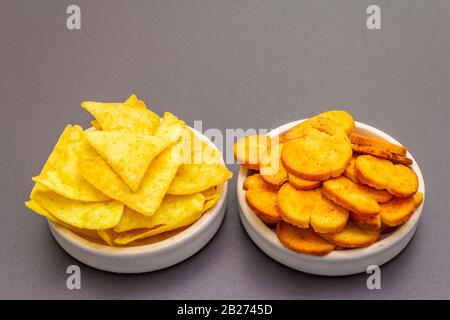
x: 325, y: 187
x: 134, y: 179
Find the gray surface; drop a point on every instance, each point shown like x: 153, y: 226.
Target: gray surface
x: 232, y: 64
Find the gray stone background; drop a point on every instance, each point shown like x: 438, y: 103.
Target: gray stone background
x: 232, y: 64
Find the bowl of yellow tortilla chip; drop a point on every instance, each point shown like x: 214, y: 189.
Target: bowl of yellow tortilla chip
x: 135, y: 193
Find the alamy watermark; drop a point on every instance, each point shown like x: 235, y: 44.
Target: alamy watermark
x: 374, y: 280
x: 73, y: 21
x: 373, y: 21
x: 73, y: 281
x: 258, y: 148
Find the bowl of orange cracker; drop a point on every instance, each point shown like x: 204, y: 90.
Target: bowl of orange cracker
x: 328, y: 195
x: 134, y: 193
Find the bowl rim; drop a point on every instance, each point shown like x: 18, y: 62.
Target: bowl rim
x: 157, y: 247
x: 337, y: 255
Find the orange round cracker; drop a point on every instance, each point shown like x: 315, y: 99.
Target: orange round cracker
x: 395, y: 158
x: 379, y: 196
x: 377, y: 143
x: 271, y: 167
x: 397, y: 211
x: 304, y: 208
x: 350, y: 195
x: 379, y: 173
x: 262, y: 199
x: 342, y: 118
x: 350, y: 170
x: 337, y: 118
x: 372, y: 223
x: 418, y: 198
x: 248, y: 150
x: 302, y: 240
x: 302, y: 184
x: 322, y: 152
x: 353, y: 237
x: 255, y: 181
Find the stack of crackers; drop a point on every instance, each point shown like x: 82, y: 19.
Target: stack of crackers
x: 325, y: 187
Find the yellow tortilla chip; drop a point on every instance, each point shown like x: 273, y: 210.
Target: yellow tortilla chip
x: 36, y: 207
x: 107, y: 235
x: 170, y: 208
x: 96, y: 125
x: 156, y: 238
x: 154, y: 185
x: 133, y: 220
x: 61, y: 172
x: 85, y: 233
x: 133, y: 101
x: 175, y: 212
x: 128, y: 154
x: 192, y: 178
x: 99, y: 173
x: 210, y: 193
x: 80, y: 214
x: 38, y: 188
x: 156, y: 182
x: 211, y: 203
x: 123, y: 117
x: 210, y: 155
x: 197, y: 151
x: 171, y: 128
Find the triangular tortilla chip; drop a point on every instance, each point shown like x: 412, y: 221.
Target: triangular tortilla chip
x: 133, y: 101
x: 132, y: 219
x: 128, y: 154
x: 123, y: 117
x: 154, y: 185
x: 107, y: 235
x: 156, y: 238
x: 175, y: 212
x: 80, y: 214
x: 206, y: 153
x: 36, y: 207
x: 193, y: 178
x: 198, y: 151
x: 96, y: 125
x: 61, y: 172
x: 171, y: 128
x: 211, y: 203
x: 169, y: 210
x: 210, y: 193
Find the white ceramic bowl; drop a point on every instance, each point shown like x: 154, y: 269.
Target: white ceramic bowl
x: 148, y: 257
x: 336, y: 263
